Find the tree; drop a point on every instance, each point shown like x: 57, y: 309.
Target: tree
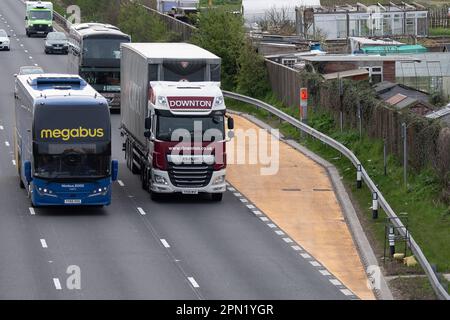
x: 143, y: 26
x: 223, y: 34
x: 252, y: 79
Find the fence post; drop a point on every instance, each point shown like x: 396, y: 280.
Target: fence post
x: 374, y: 205
x: 405, y: 154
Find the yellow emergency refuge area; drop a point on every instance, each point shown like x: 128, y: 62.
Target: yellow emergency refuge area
x: 300, y: 199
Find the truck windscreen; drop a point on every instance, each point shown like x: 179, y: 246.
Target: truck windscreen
x: 40, y: 15
x: 208, y: 128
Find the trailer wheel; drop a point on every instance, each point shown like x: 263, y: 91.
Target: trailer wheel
x: 216, y: 197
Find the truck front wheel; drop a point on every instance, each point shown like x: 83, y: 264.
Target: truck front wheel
x: 216, y: 197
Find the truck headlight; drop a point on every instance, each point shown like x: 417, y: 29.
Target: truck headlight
x: 218, y: 101
x: 219, y: 180
x: 162, y: 101
x: 159, y: 179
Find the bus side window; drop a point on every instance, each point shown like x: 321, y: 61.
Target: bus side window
x: 153, y: 72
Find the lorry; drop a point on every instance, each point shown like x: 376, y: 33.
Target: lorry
x: 174, y: 118
x: 62, y: 141
x: 39, y: 18
x: 182, y: 10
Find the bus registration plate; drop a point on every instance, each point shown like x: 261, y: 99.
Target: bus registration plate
x: 72, y: 201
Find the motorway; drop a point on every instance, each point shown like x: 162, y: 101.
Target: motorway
x: 183, y: 248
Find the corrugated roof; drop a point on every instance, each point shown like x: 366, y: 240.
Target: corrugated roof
x: 345, y: 74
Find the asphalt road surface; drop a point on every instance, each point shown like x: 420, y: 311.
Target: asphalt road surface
x: 182, y: 248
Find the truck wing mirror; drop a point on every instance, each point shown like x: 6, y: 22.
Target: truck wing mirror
x: 148, y: 134
x: 148, y: 123
x: 114, y: 170
x: 26, y: 18
x: 27, y: 171
x: 230, y: 123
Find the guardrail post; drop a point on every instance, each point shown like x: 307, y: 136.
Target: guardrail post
x: 391, y: 238
x: 358, y: 177
x: 374, y: 205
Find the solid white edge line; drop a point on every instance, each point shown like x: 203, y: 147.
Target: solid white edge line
x: 141, y: 211
x: 44, y: 243
x: 57, y: 284
x: 165, y: 243
x: 32, y: 211
x: 193, y: 282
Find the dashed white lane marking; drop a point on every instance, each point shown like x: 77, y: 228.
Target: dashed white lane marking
x: 250, y: 206
x: 271, y: 225
x: 141, y: 211
x: 31, y: 58
x: 26, y: 51
x: 264, y: 219
x: 336, y: 282
x: 279, y: 232
x: 237, y: 194
x: 57, y: 284
x: 287, y: 240
x: 193, y: 282
x: 44, y: 243
x: 346, y: 292
x: 243, y: 200
x: 7, y: 143
x: 296, y: 248
x: 32, y: 211
x: 165, y: 243
x: 120, y: 182
x: 257, y: 212
x: 13, y: 162
x: 325, y: 272
x: 21, y: 44
x: 2, y: 128
x: 305, y: 255
x: 36, y: 65
x: 231, y: 189
x: 315, y: 263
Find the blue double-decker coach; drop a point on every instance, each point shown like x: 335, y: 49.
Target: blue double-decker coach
x: 63, y: 141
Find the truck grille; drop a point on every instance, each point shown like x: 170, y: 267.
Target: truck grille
x: 190, y: 175
x: 40, y: 27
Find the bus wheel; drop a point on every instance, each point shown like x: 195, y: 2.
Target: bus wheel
x: 216, y: 197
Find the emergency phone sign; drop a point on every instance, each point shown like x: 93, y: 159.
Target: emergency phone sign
x: 303, y: 97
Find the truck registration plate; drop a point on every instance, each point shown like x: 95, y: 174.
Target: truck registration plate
x: 72, y: 201
x: 190, y: 191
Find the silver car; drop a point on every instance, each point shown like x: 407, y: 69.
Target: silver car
x: 26, y: 70
x: 5, y: 43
